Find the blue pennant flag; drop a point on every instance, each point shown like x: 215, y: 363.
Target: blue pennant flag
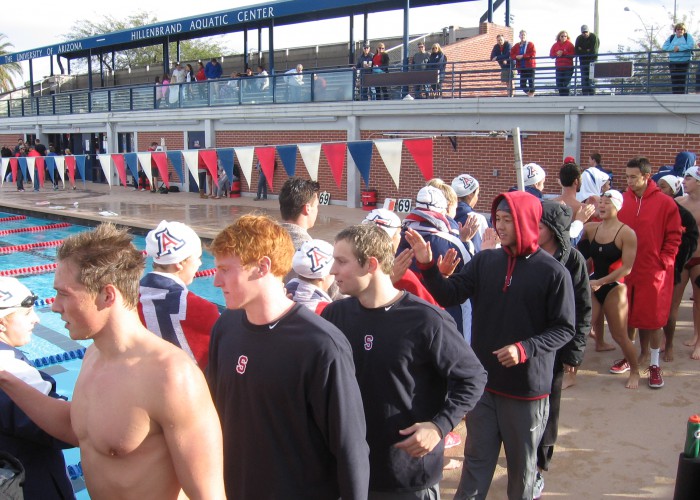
x: 80, y: 162
x: 175, y: 158
x: 50, y: 166
x: 361, y: 152
x: 226, y: 159
x: 288, y: 155
x: 23, y: 166
x: 132, y: 163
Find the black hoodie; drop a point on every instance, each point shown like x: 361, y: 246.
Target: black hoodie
x: 523, y: 298
x: 557, y: 218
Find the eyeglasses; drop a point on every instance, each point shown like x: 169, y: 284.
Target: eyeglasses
x: 563, y: 36
x: 27, y: 302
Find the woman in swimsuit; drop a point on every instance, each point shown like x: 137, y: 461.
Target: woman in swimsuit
x: 605, y: 243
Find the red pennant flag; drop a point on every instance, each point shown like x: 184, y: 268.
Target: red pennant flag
x: 266, y: 157
x: 161, y: 160
x: 209, y: 157
x: 70, y: 165
x: 422, y: 152
x: 14, y: 166
x: 121, y: 167
x: 335, y: 154
x: 41, y: 170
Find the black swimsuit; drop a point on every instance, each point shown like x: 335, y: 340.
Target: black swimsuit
x: 603, y: 256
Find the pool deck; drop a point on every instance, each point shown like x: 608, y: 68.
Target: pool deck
x: 613, y: 442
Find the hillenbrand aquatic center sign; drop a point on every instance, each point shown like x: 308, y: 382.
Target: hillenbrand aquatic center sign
x: 204, y: 25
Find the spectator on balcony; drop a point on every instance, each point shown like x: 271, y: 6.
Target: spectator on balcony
x: 563, y: 54
x: 501, y: 54
x: 189, y: 78
x: 680, y: 50
x: 524, y: 55
x: 364, y: 67
x: 179, y: 74
x: 587, y: 52
x: 263, y: 83
x: 380, y: 64
x: 437, y: 60
x: 162, y: 90
x: 295, y: 83
x: 200, y: 76
x: 213, y: 69
x: 420, y: 63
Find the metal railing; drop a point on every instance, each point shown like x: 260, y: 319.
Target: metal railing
x: 650, y: 75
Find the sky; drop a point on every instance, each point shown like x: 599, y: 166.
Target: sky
x: 542, y: 19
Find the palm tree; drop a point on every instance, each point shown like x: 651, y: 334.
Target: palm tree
x: 7, y: 71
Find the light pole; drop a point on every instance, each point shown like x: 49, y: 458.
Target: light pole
x: 647, y: 30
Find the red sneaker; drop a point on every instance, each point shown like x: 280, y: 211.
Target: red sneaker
x: 656, y: 380
x: 620, y: 366
x: 452, y: 439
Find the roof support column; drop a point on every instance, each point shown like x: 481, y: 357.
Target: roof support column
x: 351, y: 51
x: 166, y: 56
x: 406, y: 11
x: 271, y: 48
x: 245, y: 49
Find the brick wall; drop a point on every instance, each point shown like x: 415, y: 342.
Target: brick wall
x: 480, y: 71
x: 10, y: 140
x: 617, y: 149
x: 173, y: 141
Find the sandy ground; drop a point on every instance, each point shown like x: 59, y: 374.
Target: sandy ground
x: 613, y: 442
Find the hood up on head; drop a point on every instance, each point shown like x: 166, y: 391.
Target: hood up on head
x: 684, y: 160
x: 557, y: 217
x: 527, y: 211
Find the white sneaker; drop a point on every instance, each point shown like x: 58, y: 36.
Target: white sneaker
x: 539, y: 486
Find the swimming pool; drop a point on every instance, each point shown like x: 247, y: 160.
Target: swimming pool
x: 28, y: 252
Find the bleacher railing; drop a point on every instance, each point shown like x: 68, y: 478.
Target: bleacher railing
x: 650, y: 75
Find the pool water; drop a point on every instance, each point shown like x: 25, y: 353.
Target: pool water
x: 51, y: 343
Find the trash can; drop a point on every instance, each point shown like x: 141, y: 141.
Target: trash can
x: 369, y: 199
x: 236, y: 189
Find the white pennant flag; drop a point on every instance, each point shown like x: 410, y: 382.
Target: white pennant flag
x: 390, y: 151
x: 192, y: 162
x: 61, y: 168
x: 30, y: 167
x: 145, y: 160
x: 3, y: 168
x: 311, y: 154
x: 106, y: 162
x: 245, y: 159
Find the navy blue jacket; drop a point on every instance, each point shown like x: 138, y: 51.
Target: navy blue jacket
x: 39, y: 453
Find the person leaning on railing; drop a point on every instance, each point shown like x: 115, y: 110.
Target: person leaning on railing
x: 679, y: 47
x: 437, y: 60
x: 501, y: 54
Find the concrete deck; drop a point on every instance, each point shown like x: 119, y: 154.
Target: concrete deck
x: 613, y: 442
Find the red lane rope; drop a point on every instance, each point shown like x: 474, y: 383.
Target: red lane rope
x: 205, y: 272
x: 14, y: 217
x: 34, y: 229
x: 45, y: 268
x: 29, y: 246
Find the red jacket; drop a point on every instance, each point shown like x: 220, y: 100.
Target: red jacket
x: 566, y: 60
x: 655, y: 219
x: 528, y: 61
